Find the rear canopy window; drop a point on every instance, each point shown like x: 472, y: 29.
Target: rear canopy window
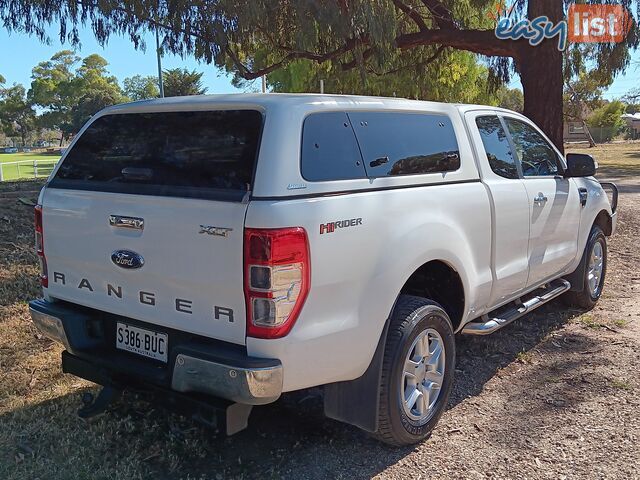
x: 193, y: 154
x: 405, y: 143
x: 329, y: 148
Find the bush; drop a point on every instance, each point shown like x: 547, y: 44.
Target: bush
x: 609, y: 116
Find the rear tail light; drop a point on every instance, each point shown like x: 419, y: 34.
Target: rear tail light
x: 44, y: 278
x: 276, y: 279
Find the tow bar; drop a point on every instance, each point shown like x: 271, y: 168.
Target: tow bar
x: 95, y: 406
x: 218, y: 414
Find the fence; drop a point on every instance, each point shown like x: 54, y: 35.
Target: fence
x: 26, y: 169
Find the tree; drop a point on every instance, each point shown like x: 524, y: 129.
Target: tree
x: 17, y: 117
x: 53, y: 91
x: 511, y: 98
x: 179, y: 82
x: 608, y: 116
x: 256, y: 38
x: 465, y: 80
x: 91, y: 102
x: 583, y: 94
x: 607, y: 120
x: 632, y: 108
x: 67, y: 96
x: 140, y: 87
x: 632, y: 99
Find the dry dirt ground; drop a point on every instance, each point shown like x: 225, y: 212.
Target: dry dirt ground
x: 554, y: 395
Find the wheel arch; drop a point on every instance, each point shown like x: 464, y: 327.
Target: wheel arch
x: 364, y: 391
x: 440, y: 281
x: 604, y: 221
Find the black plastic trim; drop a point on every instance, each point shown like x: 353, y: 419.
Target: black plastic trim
x: 150, y: 190
x: 362, y: 190
x: 614, y: 191
x: 101, y: 352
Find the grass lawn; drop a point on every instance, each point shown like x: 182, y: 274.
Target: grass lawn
x: 614, y: 159
x: 26, y: 170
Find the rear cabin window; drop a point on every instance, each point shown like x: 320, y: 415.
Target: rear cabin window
x: 329, y: 148
x: 208, y: 154
x: 405, y: 143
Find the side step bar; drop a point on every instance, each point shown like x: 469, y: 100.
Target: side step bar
x: 489, y: 325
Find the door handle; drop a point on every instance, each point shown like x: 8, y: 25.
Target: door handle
x: 584, y: 194
x: 379, y: 161
x: 540, y: 199
x: 126, y: 222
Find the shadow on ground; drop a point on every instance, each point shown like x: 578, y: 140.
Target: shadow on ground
x: 289, y: 439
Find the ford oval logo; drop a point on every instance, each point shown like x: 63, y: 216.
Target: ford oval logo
x: 127, y: 259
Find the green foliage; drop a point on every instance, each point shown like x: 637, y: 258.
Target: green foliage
x: 253, y: 38
x: 140, y: 87
x: 583, y: 94
x: 510, y: 98
x: 248, y: 35
x: 180, y: 81
x: 632, y: 99
x: 424, y: 77
x: 632, y: 108
x: 17, y: 117
x: 69, y: 97
x: 608, y: 116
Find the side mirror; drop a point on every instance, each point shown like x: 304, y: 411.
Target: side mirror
x: 580, y: 165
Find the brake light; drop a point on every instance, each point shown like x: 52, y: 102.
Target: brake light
x: 276, y: 279
x: 44, y: 278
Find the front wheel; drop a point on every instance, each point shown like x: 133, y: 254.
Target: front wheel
x: 417, y: 371
x: 595, y: 261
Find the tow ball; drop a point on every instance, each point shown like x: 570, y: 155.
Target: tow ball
x: 93, y: 406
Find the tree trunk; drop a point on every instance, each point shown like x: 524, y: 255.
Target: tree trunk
x: 540, y: 70
x: 542, y: 82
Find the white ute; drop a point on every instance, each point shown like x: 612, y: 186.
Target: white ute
x: 218, y: 251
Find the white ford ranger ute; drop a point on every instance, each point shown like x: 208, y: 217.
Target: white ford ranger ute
x: 218, y: 251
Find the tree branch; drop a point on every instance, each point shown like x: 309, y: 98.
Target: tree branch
x: 425, y: 62
x: 366, y: 55
x: 248, y: 74
x: 441, y: 14
x: 411, y: 13
x: 483, y: 42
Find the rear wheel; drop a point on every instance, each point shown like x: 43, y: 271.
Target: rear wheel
x: 417, y: 371
x: 595, y: 261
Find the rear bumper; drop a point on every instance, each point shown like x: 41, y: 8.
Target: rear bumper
x: 196, y: 365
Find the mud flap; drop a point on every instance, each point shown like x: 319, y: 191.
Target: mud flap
x: 357, y: 402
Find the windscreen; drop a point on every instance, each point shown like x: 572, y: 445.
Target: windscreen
x: 209, y: 154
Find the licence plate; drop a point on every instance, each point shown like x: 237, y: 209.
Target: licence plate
x: 142, y: 342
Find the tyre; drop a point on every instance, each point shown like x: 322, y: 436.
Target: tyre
x: 417, y: 371
x: 595, y: 269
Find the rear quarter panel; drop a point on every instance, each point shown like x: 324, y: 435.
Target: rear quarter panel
x: 358, y: 272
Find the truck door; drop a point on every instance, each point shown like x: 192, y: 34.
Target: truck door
x: 554, y: 203
x: 510, y: 206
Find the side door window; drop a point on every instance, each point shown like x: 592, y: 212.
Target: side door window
x: 535, y: 154
x: 497, y: 147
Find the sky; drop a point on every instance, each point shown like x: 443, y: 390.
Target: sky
x: 19, y: 53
